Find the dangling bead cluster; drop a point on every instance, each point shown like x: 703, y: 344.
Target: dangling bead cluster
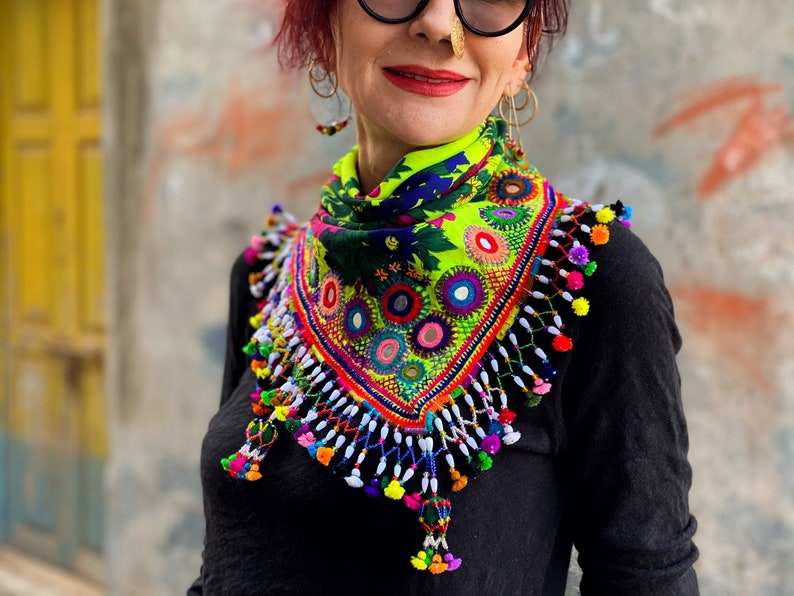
x: 333, y: 128
x: 463, y: 430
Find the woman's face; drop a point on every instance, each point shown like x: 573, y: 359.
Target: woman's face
x: 384, y: 70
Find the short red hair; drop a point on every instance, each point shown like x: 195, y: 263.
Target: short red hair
x: 305, y: 33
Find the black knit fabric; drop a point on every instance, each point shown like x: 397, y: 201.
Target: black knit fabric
x: 602, y: 463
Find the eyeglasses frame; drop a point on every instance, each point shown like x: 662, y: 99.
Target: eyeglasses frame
x: 423, y: 4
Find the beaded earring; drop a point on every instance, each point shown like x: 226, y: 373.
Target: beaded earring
x: 317, y: 77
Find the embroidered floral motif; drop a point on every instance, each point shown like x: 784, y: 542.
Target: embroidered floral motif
x: 404, y: 359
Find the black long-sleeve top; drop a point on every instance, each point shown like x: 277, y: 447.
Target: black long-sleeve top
x: 602, y: 464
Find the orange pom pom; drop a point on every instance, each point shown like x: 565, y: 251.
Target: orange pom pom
x: 324, y: 455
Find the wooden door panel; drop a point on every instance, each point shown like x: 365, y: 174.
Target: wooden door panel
x: 28, y: 26
x: 38, y: 450
x: 31, y: 210
x: 91, y: 239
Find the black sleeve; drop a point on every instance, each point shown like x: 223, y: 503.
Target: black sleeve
x: 625, y: 466
x: 242, y: 305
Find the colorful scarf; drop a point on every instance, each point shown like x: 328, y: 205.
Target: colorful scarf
x: 385, y: 345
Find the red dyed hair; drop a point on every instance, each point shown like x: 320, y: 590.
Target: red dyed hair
x: 305, y: 33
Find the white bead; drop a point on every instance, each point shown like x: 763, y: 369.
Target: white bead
x: 354, y: 481
x: 456, y: 410
x: 434, y: 484
x: 450, y: 460
x: 409, y: 473
x: 381, y: 466
x: 340, y: 440
x: 464, y: 449
x: 350, y: 450
x: 471, y: 443
x: 541, y: 354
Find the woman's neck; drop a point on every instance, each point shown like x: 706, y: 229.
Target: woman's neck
x: 376, y: 157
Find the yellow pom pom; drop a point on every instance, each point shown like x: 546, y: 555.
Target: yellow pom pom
x: 256, y: 321
x: 282, y: 412
x: 394, y: 490
x: 581, y: 306
x: 419, y: 561
x: 605, y: 215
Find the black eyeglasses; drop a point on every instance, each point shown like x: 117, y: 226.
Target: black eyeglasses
x: 490, y: 18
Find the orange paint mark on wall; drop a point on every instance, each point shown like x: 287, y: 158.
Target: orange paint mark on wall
x: 245, y: 134
x: 740, y: 328
x: 756, y: 128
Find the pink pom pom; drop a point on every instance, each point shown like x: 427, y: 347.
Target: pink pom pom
x: 250, y: 256
x: 412, y: 501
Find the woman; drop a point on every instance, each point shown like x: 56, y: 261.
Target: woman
x: 438, y: 338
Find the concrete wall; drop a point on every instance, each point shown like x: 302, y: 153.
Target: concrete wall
x: 683, y: 109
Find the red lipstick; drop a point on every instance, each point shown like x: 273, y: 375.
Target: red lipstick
x: 425, y: 81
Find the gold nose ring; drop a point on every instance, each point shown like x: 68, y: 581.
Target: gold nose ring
x: 457, y: 37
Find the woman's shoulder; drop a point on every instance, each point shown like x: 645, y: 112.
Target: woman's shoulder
x: 612, y: 259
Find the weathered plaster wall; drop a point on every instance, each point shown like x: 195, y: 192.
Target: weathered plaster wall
x: 683, y: 109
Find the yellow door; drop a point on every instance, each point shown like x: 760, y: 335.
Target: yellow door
x: 53, y: 437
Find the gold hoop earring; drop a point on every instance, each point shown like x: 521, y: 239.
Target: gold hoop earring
x: 457, y: 37
x: 319, y: 75
x: 514, y: 109
x: 323, y: 77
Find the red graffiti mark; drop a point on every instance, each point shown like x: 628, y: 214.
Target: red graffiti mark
x: 245, y: 134
x: 756, y: 130
x: 737, y: 327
